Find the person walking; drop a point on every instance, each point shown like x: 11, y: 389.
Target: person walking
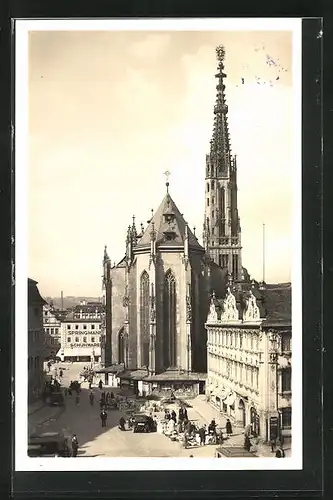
x: 75, y: 445
x: 273, y: 444
x: 104, y: 417
x: 100, y: 384
x: 247, y: 443
x: 228, y: 427
x: 174, y: 416
x: 122, y: 423
x: 202, y: 435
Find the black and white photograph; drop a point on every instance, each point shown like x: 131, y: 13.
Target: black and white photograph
x: 158, y: 244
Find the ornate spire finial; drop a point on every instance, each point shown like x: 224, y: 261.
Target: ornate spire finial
x: 167, y: 175
x: 220, y: 53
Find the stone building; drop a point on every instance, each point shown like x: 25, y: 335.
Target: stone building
x: 157, y: 298
x: 52, y: 330
x: 249, y: 357
x: 35, y: 340
x: 80, y: 339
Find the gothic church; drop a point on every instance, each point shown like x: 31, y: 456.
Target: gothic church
x: 157, y: 297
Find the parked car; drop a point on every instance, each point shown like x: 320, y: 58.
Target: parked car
x: 233, y: 451
x: 144, y: 423
x: 48, y: 444
x: 56, y: 399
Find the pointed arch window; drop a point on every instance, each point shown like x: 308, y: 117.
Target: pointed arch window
x: 144, y: 318
x: 169, y: 337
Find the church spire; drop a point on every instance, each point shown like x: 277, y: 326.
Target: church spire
x: 220, y: 142
x: 222, y: 232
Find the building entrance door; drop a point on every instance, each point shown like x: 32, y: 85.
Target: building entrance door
x: 241, y: 407
x: 255, y: 421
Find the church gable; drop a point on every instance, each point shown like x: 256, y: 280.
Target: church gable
x: 169, y: 225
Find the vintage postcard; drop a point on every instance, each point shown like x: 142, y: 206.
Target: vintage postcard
x: 158, y: 244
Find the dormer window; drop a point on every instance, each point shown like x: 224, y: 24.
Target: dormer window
x: 169, y: 218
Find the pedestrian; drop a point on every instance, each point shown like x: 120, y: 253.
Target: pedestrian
x: 174, y: 416
x: 273, y: 444
x: 61, y: 373
x: 75, y: 445
x: 180, y: 414
x: 100, y: 384
x: 247, y: 443
x: 212, y: 427
x: 104, y: 417
x: 202, y: 435
x: 122, y: 423
x: 280, y: 453
x: 228, y: 427
x: 91, y: 398
x: 112, y: 395
x: 77, y: 400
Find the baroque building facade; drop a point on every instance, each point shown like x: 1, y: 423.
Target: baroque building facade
x: 249, y: 358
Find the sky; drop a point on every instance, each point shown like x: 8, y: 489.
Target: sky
x: 111, y: 111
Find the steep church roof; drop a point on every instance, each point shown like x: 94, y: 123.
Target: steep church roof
x: 169, y: 226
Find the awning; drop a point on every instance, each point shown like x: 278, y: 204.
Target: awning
x: 230, y: 400
x: 79, y: 351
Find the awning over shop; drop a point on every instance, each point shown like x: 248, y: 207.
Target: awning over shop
x: 112, y: 369
x: 79, y: 351
x: 230, y: 400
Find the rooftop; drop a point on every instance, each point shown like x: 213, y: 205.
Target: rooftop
x: 34, y: 297
x: 170, y: 232
x: 274, y: 302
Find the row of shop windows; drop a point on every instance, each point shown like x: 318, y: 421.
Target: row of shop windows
x: 233, y: 339
x: 234, y: 370
x: 33, y: 362
x: 87, y: 316
x: 84, y: 339
x: 243, y: 340
x: 51, y: 331
x: 92, y: 327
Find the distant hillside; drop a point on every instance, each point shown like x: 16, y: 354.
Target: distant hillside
x: 70, y: 301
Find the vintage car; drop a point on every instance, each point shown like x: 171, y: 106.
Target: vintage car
x: 56, y: 399
x: 48, y: 444
x: 144, y: 423
x: 233, y: 452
